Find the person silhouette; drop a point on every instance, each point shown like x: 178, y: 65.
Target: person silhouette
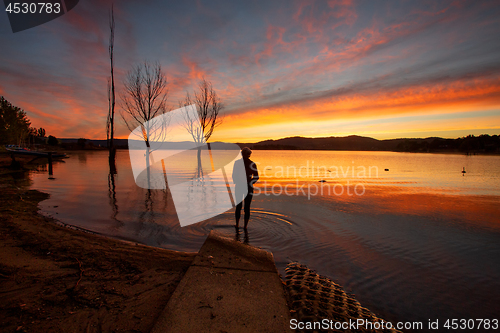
x: 245, y: 174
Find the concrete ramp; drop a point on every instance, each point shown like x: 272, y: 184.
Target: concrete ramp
x: 230, y: 287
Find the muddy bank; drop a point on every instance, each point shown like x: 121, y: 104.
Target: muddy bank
x: 55, y: 279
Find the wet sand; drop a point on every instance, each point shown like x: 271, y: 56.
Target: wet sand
x: 56, y: 279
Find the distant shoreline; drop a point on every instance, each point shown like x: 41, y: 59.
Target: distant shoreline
x: 451, y: 152
x: 471, y: 145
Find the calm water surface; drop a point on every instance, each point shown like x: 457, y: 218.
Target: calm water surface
x: 417, y: 242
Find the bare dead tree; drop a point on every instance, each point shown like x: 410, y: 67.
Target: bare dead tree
x: 110, y: 124
x: 108, y: 121
x: 201, y: 127
x: 144, y: 100
x: 192, y: 121
x: 208, y: 106
x: 144, y: 105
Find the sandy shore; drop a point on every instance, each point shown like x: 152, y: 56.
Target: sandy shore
x: 55, y: 279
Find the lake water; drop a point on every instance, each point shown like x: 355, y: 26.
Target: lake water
x: 419, y: 241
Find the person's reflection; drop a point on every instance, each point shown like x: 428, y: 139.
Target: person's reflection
x: 246, y: 240
x: 237, y: 236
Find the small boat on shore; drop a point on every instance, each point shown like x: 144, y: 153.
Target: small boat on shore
x: 36, y: 153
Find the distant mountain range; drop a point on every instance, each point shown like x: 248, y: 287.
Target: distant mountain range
x: 352, y: 142
x: 483, y: 143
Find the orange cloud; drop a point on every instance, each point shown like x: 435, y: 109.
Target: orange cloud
x: 458, y: 96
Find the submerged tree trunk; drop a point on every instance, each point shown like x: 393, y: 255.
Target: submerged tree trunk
x: 111, y: 98
x: 148, y: 171
x: 199, y: 172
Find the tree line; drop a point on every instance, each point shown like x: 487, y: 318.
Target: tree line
x: 483, y: 143
x: 16, y: 129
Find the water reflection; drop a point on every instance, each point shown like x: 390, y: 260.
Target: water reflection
x: 112, y: 200
x: 42, y: 168
x: 82, y: 158
x: 147, y: 214
x: 20, y: 178
x: 237, y: 237
x: 199, y: 190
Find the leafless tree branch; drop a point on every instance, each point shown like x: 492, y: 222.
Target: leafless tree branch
x: 145, y: 99
x: 208, y: 107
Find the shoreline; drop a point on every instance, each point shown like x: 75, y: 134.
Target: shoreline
x: 4, y: 154
x: 60, y: 279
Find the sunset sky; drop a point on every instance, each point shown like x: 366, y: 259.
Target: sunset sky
x: 384, y: 69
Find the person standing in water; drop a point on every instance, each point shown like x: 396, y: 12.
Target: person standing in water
x: 244, y: 184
